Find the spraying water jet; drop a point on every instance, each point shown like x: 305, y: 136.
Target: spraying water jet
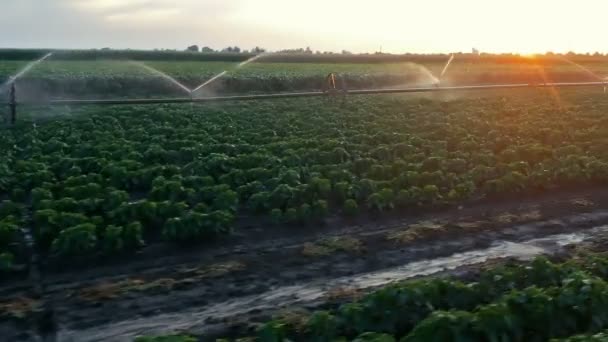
x: 165, y: 76
x: 12, y: 97
x: 586, y: 70
x: 11, y: 80
x: 209, y: 81
x: 223, y: 73
x: 445, y: 68
x: 250, y: 60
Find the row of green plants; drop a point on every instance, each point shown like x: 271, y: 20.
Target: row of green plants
x: 529, y: 302
x: 115, y: 178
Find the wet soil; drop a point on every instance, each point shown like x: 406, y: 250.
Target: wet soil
x: 259, y: 270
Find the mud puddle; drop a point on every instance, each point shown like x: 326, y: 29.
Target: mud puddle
x: 197, y: 321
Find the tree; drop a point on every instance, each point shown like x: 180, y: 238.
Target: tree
x: 234, y: 49
x: 207, y: 49
x: 193, y: 48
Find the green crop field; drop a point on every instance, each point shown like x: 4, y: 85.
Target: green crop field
x: 104, y: 182
x: 130, y: 212
x: 64, y: 76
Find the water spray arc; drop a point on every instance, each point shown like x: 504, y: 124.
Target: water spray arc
x: 23, y: 71
x: 584, y: 69
x: 12, y: 92
x: 209, y: 81
x: 163, y: 75
x: 223, y: 73
x: 445, y: 68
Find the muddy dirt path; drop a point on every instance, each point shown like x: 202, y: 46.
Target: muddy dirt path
x: 239, y: 283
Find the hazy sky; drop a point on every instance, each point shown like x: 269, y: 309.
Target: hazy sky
x: 397, y: 25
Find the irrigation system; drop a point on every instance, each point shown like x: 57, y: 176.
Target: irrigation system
x: 334, y: 85
x: 12, y: 102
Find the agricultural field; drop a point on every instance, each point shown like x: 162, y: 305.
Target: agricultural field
x: 108, y: 76
x: 115, y: 78
x: 102, y: 182
x: 202, y: 220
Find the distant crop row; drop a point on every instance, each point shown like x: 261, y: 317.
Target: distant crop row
x: 121, y: 78
x: 200, y: 70
x: 110, y: 180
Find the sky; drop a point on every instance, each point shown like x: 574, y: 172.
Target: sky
x: 397, y: 26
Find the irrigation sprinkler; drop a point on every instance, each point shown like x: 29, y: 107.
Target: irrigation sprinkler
x: 334, y: 84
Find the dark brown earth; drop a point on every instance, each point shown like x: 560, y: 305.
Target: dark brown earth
x: 113, y: 301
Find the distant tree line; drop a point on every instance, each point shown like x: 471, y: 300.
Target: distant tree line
x: 299, y: 55
x: 256, y: 50
x: 229, y: 49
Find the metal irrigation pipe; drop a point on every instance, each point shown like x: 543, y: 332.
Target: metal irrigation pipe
x: 72, y: 102
x: 12, y: 103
